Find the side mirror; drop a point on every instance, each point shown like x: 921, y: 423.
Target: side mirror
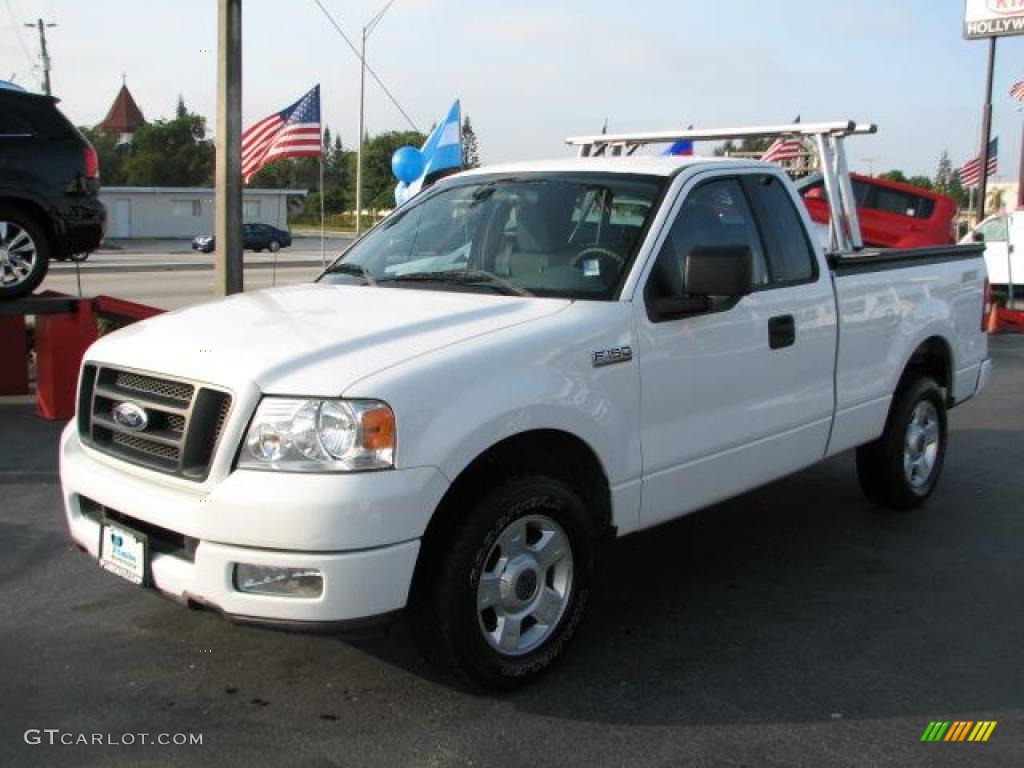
x: 978, y: 236
x: 719, y: 270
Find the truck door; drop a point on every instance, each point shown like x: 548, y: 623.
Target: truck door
x: 743, y: 393
x: 998, y: 250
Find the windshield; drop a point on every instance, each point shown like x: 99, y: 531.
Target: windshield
x: 558, y: 235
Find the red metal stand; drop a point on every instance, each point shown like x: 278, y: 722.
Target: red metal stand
x: 1010, y: 320
x: 65, y: 327
x: 13, y: 356
x: 61, y: 341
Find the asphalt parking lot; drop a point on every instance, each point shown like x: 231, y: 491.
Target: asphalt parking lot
x: 792, y: 626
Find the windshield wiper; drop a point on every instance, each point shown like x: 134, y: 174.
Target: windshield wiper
x: 461, y: 277
x: 351, y: 268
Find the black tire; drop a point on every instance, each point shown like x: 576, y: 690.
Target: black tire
x: 258, y: 250
x: 882, y: 466
x: 13, y: 223
x: 274, y: 246
x: 448, y: 624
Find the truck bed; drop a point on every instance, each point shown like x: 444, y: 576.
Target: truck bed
x: 887, y: 301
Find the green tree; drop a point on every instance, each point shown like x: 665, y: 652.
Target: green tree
x: 920, y: 181
x: 378, y: 182
x: 170, y: 153
x: 470, y: 145
x: 894, y: 175
x: 726, y: 149
x: 947, y: 181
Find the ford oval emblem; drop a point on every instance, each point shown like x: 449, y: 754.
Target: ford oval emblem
x: 130, y: 416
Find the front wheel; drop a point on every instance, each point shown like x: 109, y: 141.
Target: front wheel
x: 274, y: 246
x: 501, y: 597
x: 901, y: 468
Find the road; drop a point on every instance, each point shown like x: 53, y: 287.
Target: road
x: 169, y: 275
x: 791, y: 626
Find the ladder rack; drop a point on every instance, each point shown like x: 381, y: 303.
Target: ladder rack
x: 844, y: 227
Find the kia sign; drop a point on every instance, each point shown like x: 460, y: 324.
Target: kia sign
x: 993, y: 18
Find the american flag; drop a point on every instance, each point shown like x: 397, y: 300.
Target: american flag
x: 292, y: 132
x: 783, y: 149
x: 1017, y: 91
x: 970, y: 172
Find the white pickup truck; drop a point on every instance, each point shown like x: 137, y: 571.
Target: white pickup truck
x: 1003, y: 237
x: 520, y: 363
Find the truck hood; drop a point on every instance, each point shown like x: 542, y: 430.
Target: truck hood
x: 310, y: 339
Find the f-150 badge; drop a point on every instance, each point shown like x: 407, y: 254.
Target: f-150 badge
x: 602, y: 357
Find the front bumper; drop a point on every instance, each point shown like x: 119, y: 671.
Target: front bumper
x: 263, y: 518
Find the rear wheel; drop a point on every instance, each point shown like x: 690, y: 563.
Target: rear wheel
x: 24, y: 253
x: 901, y: 469
x: 501, y: 597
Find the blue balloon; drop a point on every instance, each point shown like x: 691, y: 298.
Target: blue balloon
x: 407, y: 164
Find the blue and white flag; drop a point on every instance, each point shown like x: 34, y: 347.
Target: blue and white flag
x: 441, y: 151
x: 683, y: 148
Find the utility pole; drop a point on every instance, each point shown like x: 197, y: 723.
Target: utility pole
x: 42, y: 27
x: 228, y: 175
x: 367, y: 30
x: 986, y: 132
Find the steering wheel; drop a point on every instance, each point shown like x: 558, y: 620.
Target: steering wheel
x: 597, y: 250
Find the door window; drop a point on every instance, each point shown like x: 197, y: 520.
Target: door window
x: 790, y: 258
x: 715, y: 213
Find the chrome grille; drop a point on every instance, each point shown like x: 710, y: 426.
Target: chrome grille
x: 183, y: 421
x: 143, y: 445
x: 176, y: 390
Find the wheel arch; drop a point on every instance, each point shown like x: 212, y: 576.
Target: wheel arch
x: 932, y: 357
x: 37, y: 210
x: 552, y: 452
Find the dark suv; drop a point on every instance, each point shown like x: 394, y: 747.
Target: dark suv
x: 49, y: 181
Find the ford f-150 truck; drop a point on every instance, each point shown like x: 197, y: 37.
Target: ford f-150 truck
x: 518, y: 364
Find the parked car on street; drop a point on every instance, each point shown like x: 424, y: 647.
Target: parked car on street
x: 1003, y: 236
x: 520, y: 364
x: 49, y: 184
x: 891, y: 214
x: 255, y: 237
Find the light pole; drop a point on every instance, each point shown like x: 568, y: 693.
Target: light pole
x: 367, y: 31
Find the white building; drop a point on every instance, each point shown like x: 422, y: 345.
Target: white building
x: 173, y: 212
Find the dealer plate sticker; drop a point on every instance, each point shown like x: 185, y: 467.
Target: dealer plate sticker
x: 124, y: 553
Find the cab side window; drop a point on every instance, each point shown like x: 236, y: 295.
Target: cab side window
x: 790, y: 257
x: 714, y: 213
x: 995, y: 230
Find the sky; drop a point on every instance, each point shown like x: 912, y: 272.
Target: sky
x: 531, y: 72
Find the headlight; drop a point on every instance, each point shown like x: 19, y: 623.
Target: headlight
x: 320, y: 436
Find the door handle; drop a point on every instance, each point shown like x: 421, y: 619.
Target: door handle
x: 781, y: 331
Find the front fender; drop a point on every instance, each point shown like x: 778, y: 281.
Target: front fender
x: 454, y: 404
